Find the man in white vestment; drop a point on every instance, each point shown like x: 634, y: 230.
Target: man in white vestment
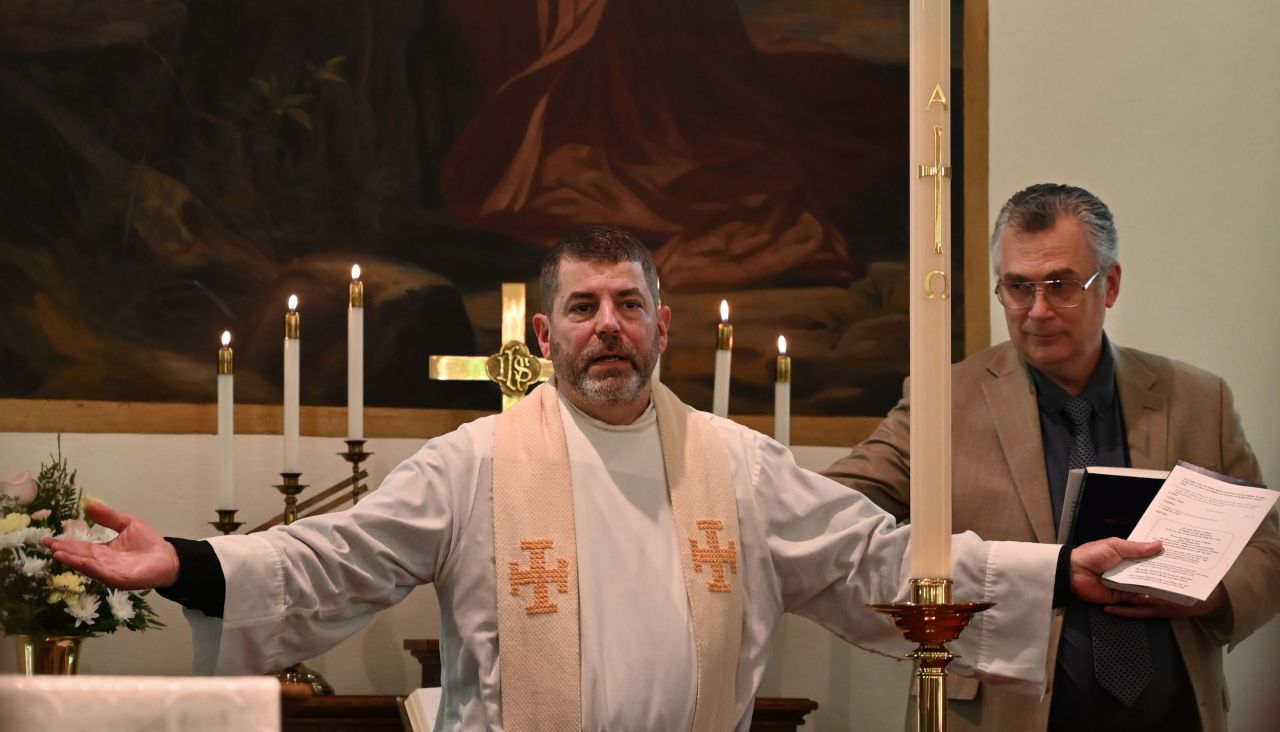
x: 606, y: 557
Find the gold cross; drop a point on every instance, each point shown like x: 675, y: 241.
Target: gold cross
x: 937, y: 171
x: 513, y: 368
x: 715, y: 555
x: 540, y: 576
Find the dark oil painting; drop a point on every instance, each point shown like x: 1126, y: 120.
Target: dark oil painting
x: 170, y: 169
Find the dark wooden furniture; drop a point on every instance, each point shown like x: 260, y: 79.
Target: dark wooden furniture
x: 303, y: 712
x: 771, y: 714
x: 381, y: 713
x: 350, y: 713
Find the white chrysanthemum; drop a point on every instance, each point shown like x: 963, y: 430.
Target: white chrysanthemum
x: 36, y: 536
x: 31, y: 566
x: 83, y: 607
x: 121, y: 604
x: 14, y: 538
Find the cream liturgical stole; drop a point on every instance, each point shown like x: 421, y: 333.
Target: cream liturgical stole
x: 535, y: 549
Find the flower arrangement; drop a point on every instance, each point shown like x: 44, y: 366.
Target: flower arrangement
x: 41, y: 596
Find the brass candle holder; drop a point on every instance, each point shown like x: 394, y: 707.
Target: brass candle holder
x: 931, y: 620
x: 226, y: 523
x: 290, y: 488
x: 355, y: 455
x: 300, y: 674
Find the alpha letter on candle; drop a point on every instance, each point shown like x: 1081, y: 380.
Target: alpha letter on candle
x: 724, y: 353
x: 292, y: 351
x: 226, y: 424
x: 355, y: 356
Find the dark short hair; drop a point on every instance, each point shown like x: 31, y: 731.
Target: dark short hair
x: 599, y: 243
x: 1037, y: 208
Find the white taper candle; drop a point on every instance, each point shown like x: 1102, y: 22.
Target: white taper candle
x: 292, y: 360
x: 226, y: 424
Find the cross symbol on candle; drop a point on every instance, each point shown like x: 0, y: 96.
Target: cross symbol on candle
x: 513, y: 368
x: 937, y: 171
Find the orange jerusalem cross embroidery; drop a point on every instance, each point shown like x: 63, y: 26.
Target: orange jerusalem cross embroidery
x: 715, y: 555
x: 540, y: 576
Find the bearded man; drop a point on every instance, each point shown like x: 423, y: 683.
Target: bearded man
x: 606, y: 557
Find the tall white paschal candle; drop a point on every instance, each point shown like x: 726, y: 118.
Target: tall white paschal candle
x: 930, y: 289
x: 355, y: 356
x: 292, y: 351
x: 782, y: 395
x: 226, y: 424
x: 724, y: 354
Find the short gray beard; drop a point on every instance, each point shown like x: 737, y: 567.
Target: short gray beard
x: 574, y: 374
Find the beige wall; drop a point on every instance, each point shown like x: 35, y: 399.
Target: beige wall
x: 1170, y: 111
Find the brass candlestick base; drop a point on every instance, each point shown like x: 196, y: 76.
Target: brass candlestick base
x: 226, y: 522
x: 355, y: 455
x: 300, y: 674
x: 931, y: 619
x: 290, y: 487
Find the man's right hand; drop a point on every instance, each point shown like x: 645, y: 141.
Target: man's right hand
x: 138, y: 559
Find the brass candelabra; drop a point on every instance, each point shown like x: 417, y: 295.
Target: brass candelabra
x: 291, y: 487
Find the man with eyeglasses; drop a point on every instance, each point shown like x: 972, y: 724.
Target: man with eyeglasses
x: 1059, y: 395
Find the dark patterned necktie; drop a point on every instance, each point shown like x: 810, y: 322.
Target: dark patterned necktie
x: 1121, y: 653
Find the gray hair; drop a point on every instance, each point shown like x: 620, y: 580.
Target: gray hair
x: 1037, y: 208
x: 599, y: 243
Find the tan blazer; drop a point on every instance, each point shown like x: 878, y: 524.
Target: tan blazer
x: 1172, y: 411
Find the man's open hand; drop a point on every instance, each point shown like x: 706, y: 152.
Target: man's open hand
x: 138, y: 559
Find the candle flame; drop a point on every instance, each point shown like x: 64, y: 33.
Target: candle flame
x: 226, y: 338
x: 355, y: 271
x: 293, y: 303
x: 782, y: 345
x: 724, y: 311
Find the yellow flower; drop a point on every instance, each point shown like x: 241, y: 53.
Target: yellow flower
x: 67, y: 582
x: 66, y: 587
x: 14, y: 522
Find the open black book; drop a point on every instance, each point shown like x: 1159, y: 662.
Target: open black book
x: 1204, y: 520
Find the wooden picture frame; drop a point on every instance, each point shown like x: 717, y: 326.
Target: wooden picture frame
x: 75, y: 416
